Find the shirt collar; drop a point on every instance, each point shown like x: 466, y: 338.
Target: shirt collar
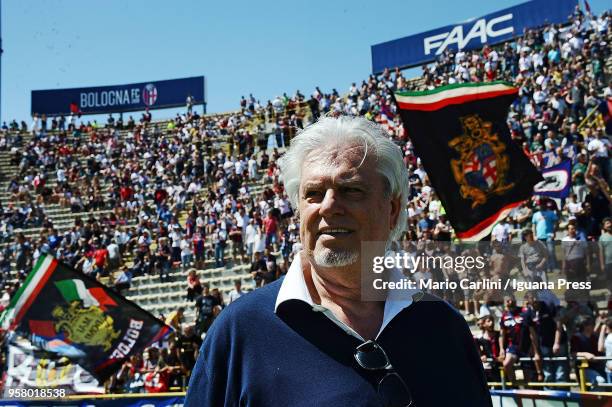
x: 294, y: 287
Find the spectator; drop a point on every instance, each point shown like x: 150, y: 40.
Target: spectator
x: 488, y: 346
x: 544, y: 226
x: 552, y: 339
x: 175, y: 319
x: 236, y: 292
x: 173, y: 369
x: 207, y: 308
x: 605, y: 249
x: 186, y: 252
x: 188, y: 344
x: 584, y: 344
x: 153, y: 371
x: 604, y: 345
x: 533, y: 257
x: 100, y: 256
x: 270, y: 224
x: 114, y: 255
x: 259, y: 269
x: 518, y: 337
x: 219, y: 240
x: 194, y: 287
x: 574, y: 264
x: 124, y: 280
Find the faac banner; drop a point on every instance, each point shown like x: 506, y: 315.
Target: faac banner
x: 119, y: 98
x: 491, y: 29
x: 70, y: 314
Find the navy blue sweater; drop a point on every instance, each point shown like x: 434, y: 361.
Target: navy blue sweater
x: 297, y: 357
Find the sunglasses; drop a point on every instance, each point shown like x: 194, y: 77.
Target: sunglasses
x: 391, y: 388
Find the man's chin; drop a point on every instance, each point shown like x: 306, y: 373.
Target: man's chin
x: 335, y: 258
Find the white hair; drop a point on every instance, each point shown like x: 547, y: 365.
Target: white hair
x: 349, y: 130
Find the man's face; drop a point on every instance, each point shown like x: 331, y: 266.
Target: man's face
x: 487, y: 324
x: 342, y: 204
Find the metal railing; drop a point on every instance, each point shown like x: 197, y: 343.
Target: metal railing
x: 581, y: 364
x: 592, y: 120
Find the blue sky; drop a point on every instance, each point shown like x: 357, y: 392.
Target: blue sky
x: 265, y: 48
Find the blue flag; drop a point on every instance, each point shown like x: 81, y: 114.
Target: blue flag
x: 557, y: 181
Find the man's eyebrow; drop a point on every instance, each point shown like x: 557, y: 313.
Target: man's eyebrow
x: 354, y: 181
x: 310, y: 184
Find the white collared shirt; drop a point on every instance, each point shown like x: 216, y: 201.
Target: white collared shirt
x: 294, y: 288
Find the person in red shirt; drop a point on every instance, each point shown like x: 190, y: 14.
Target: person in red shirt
x: 160, y: 195
x: 100, y: 256
x: 126, y: 192
x: 270, y: 228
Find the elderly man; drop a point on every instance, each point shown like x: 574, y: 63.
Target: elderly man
x: 310, y: 339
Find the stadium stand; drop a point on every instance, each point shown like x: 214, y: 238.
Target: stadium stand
x: 164, y: 209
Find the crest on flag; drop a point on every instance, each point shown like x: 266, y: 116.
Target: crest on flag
x: 87, y: 326
x: 149, y: 94
x: 482, y: 165
x: 68, y: 314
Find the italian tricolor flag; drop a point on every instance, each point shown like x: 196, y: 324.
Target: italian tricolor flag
x: 43, y: 273
x: 25, y: 295
x: 75, y: 290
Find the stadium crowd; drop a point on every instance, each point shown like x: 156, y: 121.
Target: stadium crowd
x: 196, y: 192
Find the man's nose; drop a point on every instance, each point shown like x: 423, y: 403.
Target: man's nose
x: 331, y: 204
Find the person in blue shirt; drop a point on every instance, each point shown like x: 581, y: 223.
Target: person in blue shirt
x: 544, y: 222
x: 312, y: 338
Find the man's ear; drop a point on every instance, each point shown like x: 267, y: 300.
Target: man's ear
x: 394, y: 213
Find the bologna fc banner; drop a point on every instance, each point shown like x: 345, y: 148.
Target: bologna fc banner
x: 492, y: 28
x: 557, y: 181
x: 460, y: 134
x: 67, y: 313
x: 30, y: 368
x: 119, y: 98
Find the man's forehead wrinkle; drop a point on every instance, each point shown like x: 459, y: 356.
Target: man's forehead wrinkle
x: 334, y: 154
x: 336, y: 164
x: 333, y: 174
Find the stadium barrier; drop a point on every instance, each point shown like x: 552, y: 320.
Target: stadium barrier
x: 514, y: 398
x: 500, y: 398
x: 593, y: 120
x: 581, y: 364
x: 106, y: 400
